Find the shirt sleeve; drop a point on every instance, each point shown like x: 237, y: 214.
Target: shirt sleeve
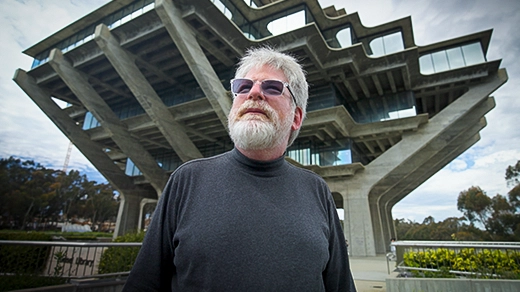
x: 153, y: 269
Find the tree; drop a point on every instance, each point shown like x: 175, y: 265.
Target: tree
x: 30, y: 193
x: 513, y: 174
x: 475, y: 204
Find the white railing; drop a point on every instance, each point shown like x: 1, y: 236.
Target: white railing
x: 466, y: 259
x: 71, y: 260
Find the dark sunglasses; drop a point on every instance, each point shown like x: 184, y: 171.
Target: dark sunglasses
x: 270, y: 87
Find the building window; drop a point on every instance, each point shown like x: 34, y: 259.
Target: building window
x: 451, y: 59
x: 251, y: 3
x: 383, y: 108
x: 287, y: 23
x: 113, y: 20
x: 386, y: 45
x: 223, y: 8
x: 90, y: 122
x: 344, y: 37
x: 307, y: 153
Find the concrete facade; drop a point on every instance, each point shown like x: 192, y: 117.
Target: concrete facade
x: 148, y: 88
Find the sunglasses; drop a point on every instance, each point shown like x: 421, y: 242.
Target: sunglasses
x: 269, y: 87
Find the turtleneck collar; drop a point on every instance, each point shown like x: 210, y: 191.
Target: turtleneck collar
x: 261, y: 168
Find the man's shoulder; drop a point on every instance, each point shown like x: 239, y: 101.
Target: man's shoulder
x: 304, y: 173
x: 202, y: 163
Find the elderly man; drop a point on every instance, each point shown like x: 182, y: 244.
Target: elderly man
x: 247, y: 220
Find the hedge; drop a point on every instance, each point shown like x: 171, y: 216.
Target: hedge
x: 484, y: 264
x: 120, y: 259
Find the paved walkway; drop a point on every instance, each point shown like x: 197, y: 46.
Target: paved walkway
x: 370, y: 273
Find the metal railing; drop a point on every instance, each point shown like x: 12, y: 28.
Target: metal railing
x: 71, y: 260
x: 463, y: 259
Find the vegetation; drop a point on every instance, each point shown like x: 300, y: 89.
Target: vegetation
x: 120, y: 259
x: 484, y: 265
x: 35, y: 197
x: 485, y: 218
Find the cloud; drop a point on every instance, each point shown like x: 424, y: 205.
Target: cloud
x: 25, y: 131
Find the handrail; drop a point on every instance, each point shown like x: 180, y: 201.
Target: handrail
x: 69, y: 243
x: 475, y: 259
x: 66, y: 259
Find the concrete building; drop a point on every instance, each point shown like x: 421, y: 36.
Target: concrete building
x: 147, y: 83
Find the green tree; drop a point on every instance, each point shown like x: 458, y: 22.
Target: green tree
x: 513, y: 174
x: 475, y: 204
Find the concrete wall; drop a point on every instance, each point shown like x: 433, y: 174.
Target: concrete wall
x: 112, y: 285
x: 465, y: 285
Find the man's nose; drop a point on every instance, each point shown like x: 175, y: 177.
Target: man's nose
x: 256, y: 91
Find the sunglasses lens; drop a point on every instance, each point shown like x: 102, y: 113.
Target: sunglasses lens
x: 240, y: 86
x: 269, y: 87
x: 272, y: 87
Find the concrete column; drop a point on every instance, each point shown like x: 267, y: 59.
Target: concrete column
x: 185, y: 40
x: 79, y: 85
x: 128, y: 215
x: 124, y: 64
x: 141, y: 208
x: 357, y: 222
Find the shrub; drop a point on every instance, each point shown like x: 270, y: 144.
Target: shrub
x: 483, y: 264
x: 120, y: 259
x: 21, y: 259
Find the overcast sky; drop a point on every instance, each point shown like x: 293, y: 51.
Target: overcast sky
x: 27, y: 133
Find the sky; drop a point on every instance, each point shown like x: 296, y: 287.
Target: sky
x: 27, y: 133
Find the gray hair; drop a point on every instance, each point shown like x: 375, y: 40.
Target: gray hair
x: 293, y: 71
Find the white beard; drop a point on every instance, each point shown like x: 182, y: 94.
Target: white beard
x: 249, y: 132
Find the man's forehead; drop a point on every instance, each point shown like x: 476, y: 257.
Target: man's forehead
x: 266, y: 72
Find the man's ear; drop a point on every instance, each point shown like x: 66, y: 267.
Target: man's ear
x: 298, y: 119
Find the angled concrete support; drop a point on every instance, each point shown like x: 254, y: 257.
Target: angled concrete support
x: 125, y: 65
x: 374, y: 190
x: 79, y: 85
x: 185, y: 40
x: 92, y: 151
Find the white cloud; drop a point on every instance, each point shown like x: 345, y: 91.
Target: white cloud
x: 26, y: 132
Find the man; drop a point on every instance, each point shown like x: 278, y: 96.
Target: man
x: 247, y: 220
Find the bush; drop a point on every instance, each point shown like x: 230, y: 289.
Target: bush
x: 20, y: 259
x: 120, y: 259
x: 484, y: 264
x: 10, y: 283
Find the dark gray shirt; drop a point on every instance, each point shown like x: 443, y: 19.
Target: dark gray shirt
x: 229, y: 223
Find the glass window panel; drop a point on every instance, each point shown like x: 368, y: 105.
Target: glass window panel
x: 87, y: 122
x: 393, y: 43
x: 250, y: 3
x: 440, y: 61
x: 376, y: 45
x: 343, y: 157
x: 137, y: 13
x: 473, y: 54
x: 344, y: 37
x: 148, y: 7
x: 129, y: 167
x: 455, y: 58
x: 287, y: 23
x: 426, y: 65
x: 126, y: 18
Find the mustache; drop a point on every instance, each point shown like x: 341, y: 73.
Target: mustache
x: 251, y: 104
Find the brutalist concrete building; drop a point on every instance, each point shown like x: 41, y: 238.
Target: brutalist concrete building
x: 147, y: 83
